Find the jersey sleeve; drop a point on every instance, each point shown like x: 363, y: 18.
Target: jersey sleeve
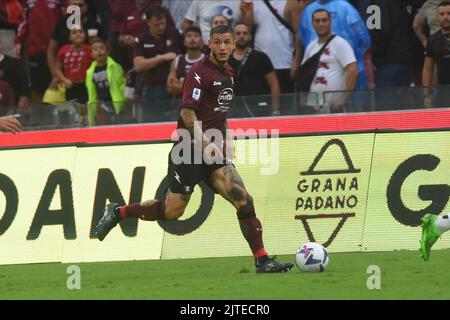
x: 266, y: 64
x: 193, y: 90
x: 344, y: 52
x: 138, y: 50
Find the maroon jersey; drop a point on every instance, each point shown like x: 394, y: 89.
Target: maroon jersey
x: 148, y: 47
x: 183, y: 65
x: 208, y: 90
x: 134, y: 22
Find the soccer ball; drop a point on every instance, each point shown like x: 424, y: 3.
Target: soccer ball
x: 311, y: 257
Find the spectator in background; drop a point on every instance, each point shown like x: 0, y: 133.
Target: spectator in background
x: 337, y: 69
x: 10, y: 124
x: 295, y: 22
x: 10, y: 17
x: 7, y: 98
x: 72, y: 62
x: 254, y: 72
x: 275, y: 37
x: 438, y: 53
x: 426, y: 22
x: 100, y: 10
x: 413, y: 7
x: 178, y: 10
x: 35, y: 29
x: 201, y: 12
x: 347, y: 23
x: 183, y: 63
x: 153, y: 53
x: 60, y: 36
x: 135, y: 24
x: 119, y: 10
x: 12, y: 72
x: 392, y: 49
x: 219, y: 20
x: 105, y: 83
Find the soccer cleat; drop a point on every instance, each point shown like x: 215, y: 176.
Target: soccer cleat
x: 429, y: 235
x: 109, y: 220
x: 270, y: 265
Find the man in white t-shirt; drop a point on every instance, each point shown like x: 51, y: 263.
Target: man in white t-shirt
x: 337, y: 69
x: 201, y: 13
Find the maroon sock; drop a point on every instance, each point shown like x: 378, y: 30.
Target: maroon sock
x: 252, y: 230
x: 152, y: 212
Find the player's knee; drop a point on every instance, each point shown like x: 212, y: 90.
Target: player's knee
x: 247, y: 201
x: 250, y: 200
x: 246, y: 207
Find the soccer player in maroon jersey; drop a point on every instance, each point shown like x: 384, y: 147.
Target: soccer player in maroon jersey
x: 207, y: 94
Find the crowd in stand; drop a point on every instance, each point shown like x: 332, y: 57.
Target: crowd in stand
x: 139, y: 51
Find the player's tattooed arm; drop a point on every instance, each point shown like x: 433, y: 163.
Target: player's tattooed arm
x: 193, y: 125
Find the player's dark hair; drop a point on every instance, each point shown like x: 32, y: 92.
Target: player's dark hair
x: 194, y: 29
x: 154, y: 11
x: 321, y: 10
x: 444, y: 4
x: 220, y: 30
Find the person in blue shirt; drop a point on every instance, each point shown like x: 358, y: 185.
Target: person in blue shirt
x: 347, y: 23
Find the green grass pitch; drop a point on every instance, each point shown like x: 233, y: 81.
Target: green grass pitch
x: 403, y: 276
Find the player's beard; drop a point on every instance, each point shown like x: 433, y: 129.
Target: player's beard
x: 445, y: 27
x: 193, y: 47
x: 243, y: 46
x: 216, y: 57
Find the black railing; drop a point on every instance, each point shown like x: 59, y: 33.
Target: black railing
x: 72, y: 114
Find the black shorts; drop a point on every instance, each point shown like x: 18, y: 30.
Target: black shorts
x: 183, y: 177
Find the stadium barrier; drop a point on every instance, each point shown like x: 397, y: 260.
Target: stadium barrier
x: 350, y: 182
x: 72, y: 114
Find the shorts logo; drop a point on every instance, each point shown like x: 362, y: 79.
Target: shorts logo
x: 187, y: 189
x: 196, y: 93
x: 217, y: 83
x: 177, y: 177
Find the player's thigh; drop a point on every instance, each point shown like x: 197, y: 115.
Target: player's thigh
x: 228, y: 183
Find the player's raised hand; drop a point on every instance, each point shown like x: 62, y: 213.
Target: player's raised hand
x: 10, y: 124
